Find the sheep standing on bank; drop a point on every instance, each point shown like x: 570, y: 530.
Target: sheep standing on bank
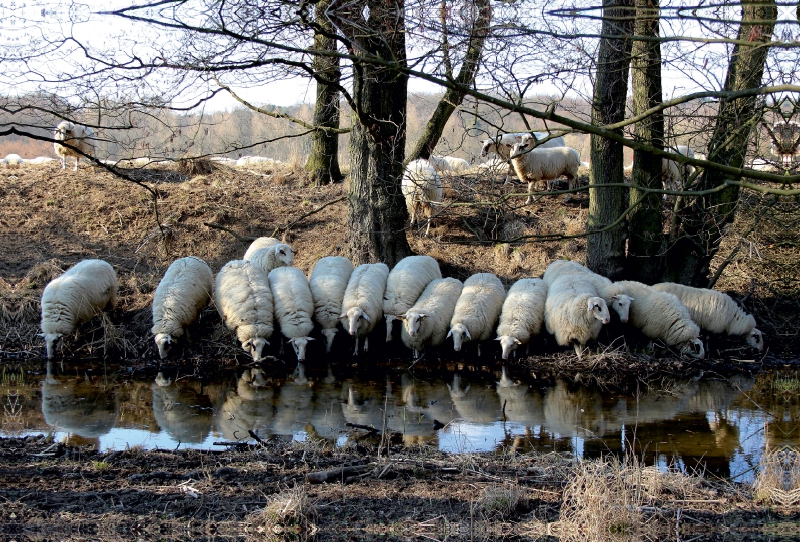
x: 545, y: 164
x: 503, y: 144
x: 477, y: 310
x: 615, y: 298
x: 522, y: 314
x: 573, y: 311
x: 80, y: 137
x: 362, y: 305
x: 671, y: 178
x: 267, y: 259
x: 661, y: 315
x: 328, y: 283
x: 716, y: 312
x: 405, y: 284
x: 427, y: 322
x: 181, y: 295
x: 244, y: 302
x: 261, y: 242
x: 294, y: 306
x: 73, y: 298
x: 422, y: 189
x: 13, y: 161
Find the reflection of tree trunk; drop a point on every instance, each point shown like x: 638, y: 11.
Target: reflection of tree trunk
x: 703, y: 222
x: 453, y: 98
x: 376, y: 207
x: 606, y: 250
x: 323, y: 161
x: 646, y: 226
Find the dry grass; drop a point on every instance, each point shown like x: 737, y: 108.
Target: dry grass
x: 778, y: 478
x: 195, y: 166
x: 289, y: 515
x: 502, y: 501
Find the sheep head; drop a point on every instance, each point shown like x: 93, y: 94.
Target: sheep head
x: 283, y: 255
x: 255, y: 347
x: 52, y: 342
x: 329, y: 334
x: 621, y: 303
x: 412, y: 321
x: 164, y: 344
x: 756, y: 339
x: 598, y: 309
x: 299, y: 344
x: 508, y: 344
x: 357, y: 320
x: 456, y: 391
x: 458, y: 332
x: 694, y: 348
x: 65, y: 131
x: 390, y: 318
x: 486, y: 148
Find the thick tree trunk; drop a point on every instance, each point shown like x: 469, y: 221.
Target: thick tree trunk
x: 704, y: 220
x: 376, y: 208
x: 453, y: 98
x: 646, y: 242
x: 606, y: 249
x: 323, y: 161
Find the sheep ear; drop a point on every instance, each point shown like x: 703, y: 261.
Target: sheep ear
x: 468, y: 335
x: 401, y: 317
x: 248, y: 343
x: 344, y: 315
x: 310, y: 338
x: 499, y: 339
x: 591, y: 305
x: 449, y: 334
x: 42, y: 335
x: 614, y: 297
x: 367, y: 318
x: 422, y: 315
x: 517, y: 341
x: 632, y: 299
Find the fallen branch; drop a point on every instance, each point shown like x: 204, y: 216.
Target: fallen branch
x: 301, y: 217
x: 364, y: 427
x: 238, y: 237
x: 336, y: 474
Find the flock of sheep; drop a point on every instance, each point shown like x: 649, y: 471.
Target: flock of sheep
x: 263, y: 291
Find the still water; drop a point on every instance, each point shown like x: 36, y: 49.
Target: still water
x: 718, y: 424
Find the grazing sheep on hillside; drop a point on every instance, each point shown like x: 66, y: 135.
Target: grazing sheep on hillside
x: 573, y: 311
x: 716, y: 312
x: 267, y: 259
x: 522, y: 314
x: 362, y: 305
x: 13, y: 161
x: 545, y: 164
x: 405, y: 284
x: 181, y: 295
x: 671, y: 178
x: 661, y: 315
x: 244, y: 302
x: 503, y: 144
x: 477, y: 310
x: 328, y: 283
x: 614, y: 298
x: 73, y: 298
x: 294, y: 306
x: 448, y: 164
x: 422, y: 189
x: 427, y: 322
x: 80, y: 137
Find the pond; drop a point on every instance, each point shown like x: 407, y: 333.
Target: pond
x: 720, y: 425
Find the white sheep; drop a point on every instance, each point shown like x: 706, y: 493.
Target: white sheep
x: 73, y: 298
x: 477, y: 310
x: 503, y: 144
x: 261, y: 242
x: 328, y: 283
x: 181, y: 295
x: 427, y: 322
x: 522, y: 314
x: 362, y: 305
x: 267, y: 259
x: 13, y: 161
x: 422, y: 189
x: 294, y: 306
x: 573, y: 311
x: 615, y: 298
x: 80, y: 137
x: 545, y: 164
x: 661, y: 315
x: 716, y: 312
x: 404, y: 286
x: 42, y: 160
x: 244, y: 302
x: 448, y: 164
x: 671, y: 178
x: 255, y: 161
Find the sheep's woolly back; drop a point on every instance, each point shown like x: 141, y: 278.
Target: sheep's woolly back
x: 181, y: 295
x: 13, y: 161
x: 711, y: 310
x: 458, y: 165
x: 438, y: 302
x: 77, y: 295
x: 328, y: 283
x: 522, y: 314
x: 440, y: 164
x: 659, y: 315
x: 261, y: 242
x: 567, y: 317
x: 421, y: 186
x: 479, y: 305
x: 563, y: 267
x: 407, y: 281
x: 294, y: 305
x: 268, y: 258
x: 541, y: 164
x: 365, y: 290
x: 244, y: 300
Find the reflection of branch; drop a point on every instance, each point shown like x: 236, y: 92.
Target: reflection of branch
x: 301, y: 217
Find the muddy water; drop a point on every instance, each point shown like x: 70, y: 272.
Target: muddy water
x: 718, y: 424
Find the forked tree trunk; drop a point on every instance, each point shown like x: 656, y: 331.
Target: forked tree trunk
x: 645, y: 245
x: 323, y: 160
x: 705, y: 220
x: 606, y: 249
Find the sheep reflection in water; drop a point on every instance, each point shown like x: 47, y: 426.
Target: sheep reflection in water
x: 476, y: 403
x: 519, y: 403
x: 294, y: 404
x: 80, y: 406
x: 327, y: 419
x: 183, y: 413
x: 248, y: 408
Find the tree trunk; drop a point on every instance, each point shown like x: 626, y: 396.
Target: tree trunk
x: 376, y: 208
x: 323, y: 161
x: 466, y: 76
x: 646, y: 242
x: 703, y: 222
x: 606, y: 249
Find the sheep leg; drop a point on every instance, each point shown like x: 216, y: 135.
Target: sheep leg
x: 530, y: 197
x: 366, y: 344
x: 76, y: 162
x: 579, y: 351
x: 428, y: 229
x: 570, y: 185
x: 479, y: 350
x: 355, y: 351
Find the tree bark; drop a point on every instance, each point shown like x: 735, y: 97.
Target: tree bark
x: 606, y: 249
x: 704, y: 221
x: 323, y: 161
x: 452, y: 98
x: 646, y: 242
x: 376, y: 208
